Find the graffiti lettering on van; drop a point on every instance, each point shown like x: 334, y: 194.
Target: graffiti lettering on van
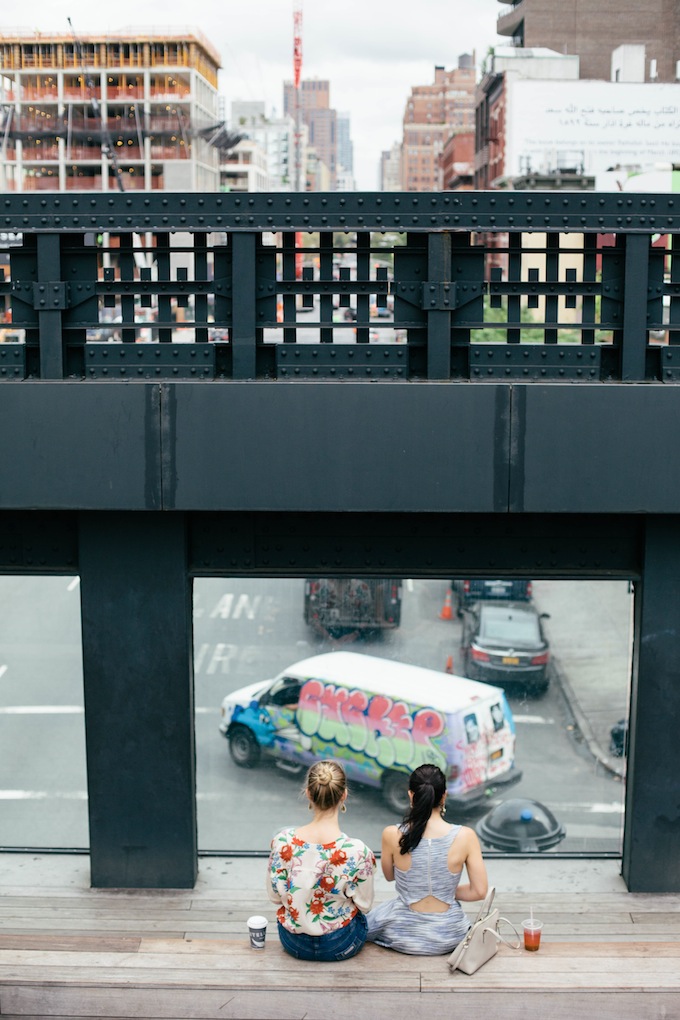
x: 472, y: 753
x: 391, y: 732
x: 474, y: 772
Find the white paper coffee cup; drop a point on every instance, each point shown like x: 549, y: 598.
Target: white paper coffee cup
x: 257, y: 929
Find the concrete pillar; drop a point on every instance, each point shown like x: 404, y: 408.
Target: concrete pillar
x: 651, y: 849
x: 139, y: 706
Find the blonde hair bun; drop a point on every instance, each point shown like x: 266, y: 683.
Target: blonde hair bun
x: 326, y: 784
x: 324, y: 774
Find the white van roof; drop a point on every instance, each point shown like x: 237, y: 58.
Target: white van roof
x: 398, y: 680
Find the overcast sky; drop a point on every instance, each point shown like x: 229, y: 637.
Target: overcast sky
x: 371, y: 51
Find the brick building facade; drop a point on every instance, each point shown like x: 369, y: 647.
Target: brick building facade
x: 433, y: 114
x: 457, y: 162
x: 593, y: 30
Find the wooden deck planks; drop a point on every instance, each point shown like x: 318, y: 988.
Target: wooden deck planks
x: 69, y: 943
x: 186, y: 1004
x: 184, y: 955
x: 239, y: 967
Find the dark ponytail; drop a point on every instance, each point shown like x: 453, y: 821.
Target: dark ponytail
x: 428, y: 786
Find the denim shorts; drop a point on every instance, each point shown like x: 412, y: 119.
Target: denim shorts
x: 335, y: 945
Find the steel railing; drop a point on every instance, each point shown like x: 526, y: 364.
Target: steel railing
x: 466, y: 286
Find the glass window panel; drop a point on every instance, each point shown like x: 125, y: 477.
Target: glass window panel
x: 43, y: 785
x: 251, y: 632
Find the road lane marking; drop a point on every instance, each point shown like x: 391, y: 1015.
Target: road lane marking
x: 41, y: 710
x: 528, y: 720
x: 245, y: 604
x: 72, y: 710
x: 221, y: 656
x: 42, y: 795
x: 612, y: 808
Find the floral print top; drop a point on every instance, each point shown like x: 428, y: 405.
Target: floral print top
x: 319, y: 886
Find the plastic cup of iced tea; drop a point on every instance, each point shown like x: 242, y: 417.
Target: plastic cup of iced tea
x: 532, y: 934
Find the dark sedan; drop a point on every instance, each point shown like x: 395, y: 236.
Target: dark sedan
x: 481, y: 589
x: 503, y: 642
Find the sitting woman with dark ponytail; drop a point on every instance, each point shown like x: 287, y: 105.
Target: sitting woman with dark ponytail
x: 425, y: 856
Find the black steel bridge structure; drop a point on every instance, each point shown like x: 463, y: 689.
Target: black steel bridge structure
x: 421, y: 385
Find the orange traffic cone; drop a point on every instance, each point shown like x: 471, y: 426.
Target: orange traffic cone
x: 449, y: 664
x: 447, y: 611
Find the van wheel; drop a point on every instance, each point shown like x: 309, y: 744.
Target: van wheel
x: 244, y: 748
x: 395, y: 791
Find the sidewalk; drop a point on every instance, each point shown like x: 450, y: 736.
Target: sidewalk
x: 590, y: 633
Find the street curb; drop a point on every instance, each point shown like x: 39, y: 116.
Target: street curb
x: 616, y: 767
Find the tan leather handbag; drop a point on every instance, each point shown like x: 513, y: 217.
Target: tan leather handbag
x: 481, y: 941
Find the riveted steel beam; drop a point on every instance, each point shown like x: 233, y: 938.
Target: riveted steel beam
x: 388, y: 361
x: 473, y: 211
x: 529, y: 361
x: 149, y: 361
x: 12, y: 361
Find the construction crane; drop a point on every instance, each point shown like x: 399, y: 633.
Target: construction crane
x: 297, y: 70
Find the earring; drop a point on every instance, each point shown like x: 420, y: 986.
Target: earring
x: 309, y: 806
x: 442, y: 810
x: 343, y: 808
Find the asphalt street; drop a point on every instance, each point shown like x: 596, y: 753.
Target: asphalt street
x: 242, y: 637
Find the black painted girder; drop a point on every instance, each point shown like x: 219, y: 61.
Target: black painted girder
x: 491, y: 212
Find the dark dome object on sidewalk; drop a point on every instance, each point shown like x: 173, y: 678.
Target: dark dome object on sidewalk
x: 521, y: 826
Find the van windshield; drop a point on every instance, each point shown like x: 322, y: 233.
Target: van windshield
x: 284, y: 692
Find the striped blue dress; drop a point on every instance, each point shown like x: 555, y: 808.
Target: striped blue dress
x: 395, y: 926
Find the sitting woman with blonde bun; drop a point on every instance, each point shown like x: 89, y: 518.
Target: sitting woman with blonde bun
x: 426, y: 857
x: 322, y: 878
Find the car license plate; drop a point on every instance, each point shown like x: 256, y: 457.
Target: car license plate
x: 497, y: 754
x: 510, y: 660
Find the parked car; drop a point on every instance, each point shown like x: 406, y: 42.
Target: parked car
x: 503, y: 642
x: 515, y: 589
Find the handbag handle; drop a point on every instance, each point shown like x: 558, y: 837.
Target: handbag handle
x: 501, y: 938
x: 486, y: 905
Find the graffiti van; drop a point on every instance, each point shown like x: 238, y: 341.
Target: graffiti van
x: 381, y: 719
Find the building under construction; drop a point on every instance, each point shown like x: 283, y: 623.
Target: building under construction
x: 124, y: 110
